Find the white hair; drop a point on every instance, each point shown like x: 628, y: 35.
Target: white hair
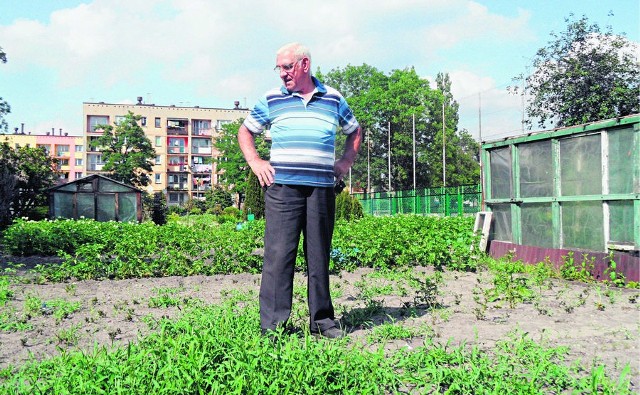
x: 299, y: 51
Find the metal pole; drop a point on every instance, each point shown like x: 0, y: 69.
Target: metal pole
x: 389, y: 143
x: 414, y: 151
x: 368, y: 162
x: 444, y: 161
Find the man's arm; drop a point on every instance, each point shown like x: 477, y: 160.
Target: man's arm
x: 351, y: 148
x: 260, y: 167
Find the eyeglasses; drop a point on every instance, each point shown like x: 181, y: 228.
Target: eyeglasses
x: 286, y: 67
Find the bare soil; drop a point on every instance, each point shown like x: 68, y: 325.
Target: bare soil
x: 597, y: 323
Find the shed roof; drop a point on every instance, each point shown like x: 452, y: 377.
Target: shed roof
x: 73, y: 186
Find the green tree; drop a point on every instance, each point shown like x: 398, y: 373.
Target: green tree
x: 25, y: 173
x: 155, y: 207
x: 4, y: 106
x: 348, y: 207
x: 254, y: 199
x: 582, y: 75
x: 386, y: 106
x: 233, y: 169
x: 126, y: 151
x: 217, y: 199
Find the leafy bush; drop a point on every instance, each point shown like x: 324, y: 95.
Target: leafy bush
x: 404, y: 240
x: 232, y: 212
x: 176, y: 209
x: 198, y: 244
x: 217, y: 199
x: 348, y: 207
x: 195, y: 206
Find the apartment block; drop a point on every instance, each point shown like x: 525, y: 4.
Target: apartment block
x: 67, y: 150
x: 185, y: 165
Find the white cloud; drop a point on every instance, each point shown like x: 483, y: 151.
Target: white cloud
x: 202, y: 51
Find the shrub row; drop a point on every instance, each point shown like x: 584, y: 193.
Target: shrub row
x: 200, y: 245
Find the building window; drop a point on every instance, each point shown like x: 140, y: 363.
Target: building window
x: 78, y: 174
x: 143, y: 121
x: 61, y: 150
x: 95, y: 120
x: 63, y: 162
x: 79, y: 148
x: 158, y: 159
x: 158, y: 122
x: 45, y: 147
x: 119, y: 119
x: 158, y: 178
x: 78, y: 162
x: 201, y: 127
x: 158, y: 141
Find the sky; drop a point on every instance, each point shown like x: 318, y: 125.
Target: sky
x: 210, y: 53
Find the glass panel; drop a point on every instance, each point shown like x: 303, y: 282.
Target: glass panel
x: 85, y: 186
x: 86, y: 205
x: 63, y: 205
x: 621, y: 221
x: 537, y: 228
x: 127, y: 207
x: 109, y: 186
x: 71, y: 187
x: 582, y: 225
x: 500, y: 169
x: 623, y: 153
x: 581, y: 166
x: 501, y: 222
x: 106, y: 210
x: 536, y: 169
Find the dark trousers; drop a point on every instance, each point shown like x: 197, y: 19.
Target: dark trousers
x: 289, y: 210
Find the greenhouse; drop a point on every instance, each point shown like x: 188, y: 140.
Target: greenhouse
x: 571, y: 189
x: 96, y: 197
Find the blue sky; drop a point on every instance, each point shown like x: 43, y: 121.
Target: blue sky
x: 62, y: 53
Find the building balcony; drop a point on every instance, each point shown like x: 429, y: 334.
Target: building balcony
x: 178, y: 187
x: 201, y: 168
x: 95, y: 166
x: 201, y: 188
x: 176, y: 150
x: 202, y: 132
x: 201, y: 150
x: 176, y: 131
x: 179, y: 167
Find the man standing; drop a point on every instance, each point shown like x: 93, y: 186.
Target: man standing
x: 303, y: 116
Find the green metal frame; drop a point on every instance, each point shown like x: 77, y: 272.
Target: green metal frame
x: 515, y: 200
x: 459, y: 200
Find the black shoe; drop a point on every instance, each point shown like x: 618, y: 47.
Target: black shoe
x: 331, y: 333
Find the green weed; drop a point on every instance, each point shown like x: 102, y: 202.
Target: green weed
x: 218, y: 349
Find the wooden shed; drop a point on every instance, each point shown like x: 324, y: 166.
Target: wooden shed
x: 96, y: 197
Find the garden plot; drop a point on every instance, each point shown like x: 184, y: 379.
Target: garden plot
x: 401, y: 309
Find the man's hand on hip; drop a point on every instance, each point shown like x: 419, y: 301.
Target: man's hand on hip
x: 263, y: 170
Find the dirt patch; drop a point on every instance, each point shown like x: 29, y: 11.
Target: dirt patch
x: 595, y: 322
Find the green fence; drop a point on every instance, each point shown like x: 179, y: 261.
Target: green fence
x: 449, y: 201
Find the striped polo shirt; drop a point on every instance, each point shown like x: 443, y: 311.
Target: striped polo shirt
x: 302, y: 134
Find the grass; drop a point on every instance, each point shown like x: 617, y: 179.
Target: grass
x: 217, y: 349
